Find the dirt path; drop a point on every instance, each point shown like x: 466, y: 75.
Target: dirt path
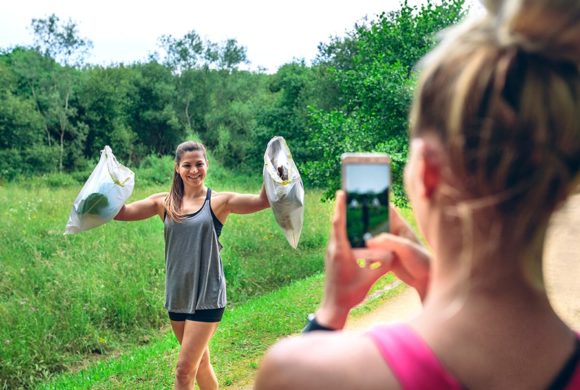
x: 561, y: 268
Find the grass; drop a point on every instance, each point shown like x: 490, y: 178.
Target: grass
x: 69, y: 301
x: 237, y: 347
x: 66, y: 299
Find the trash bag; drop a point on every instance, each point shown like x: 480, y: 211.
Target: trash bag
x: 103, y: 195
x: 284, y: 189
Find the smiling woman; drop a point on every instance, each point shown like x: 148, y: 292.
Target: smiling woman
x: 195, y: 287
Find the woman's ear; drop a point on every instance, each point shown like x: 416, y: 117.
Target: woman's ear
x: 430, y: 161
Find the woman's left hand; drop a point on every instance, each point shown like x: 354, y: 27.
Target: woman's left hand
x: 347, y: 283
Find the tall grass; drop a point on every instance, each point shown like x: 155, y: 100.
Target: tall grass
x: 65, y: 299
x: 68, y: 300
x: 240, y: 342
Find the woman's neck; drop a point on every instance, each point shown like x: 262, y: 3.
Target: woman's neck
x: 486, y: 264
x: 195, y: 192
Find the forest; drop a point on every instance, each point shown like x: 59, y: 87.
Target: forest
x: 57, y: 112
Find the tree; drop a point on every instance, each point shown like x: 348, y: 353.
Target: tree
x: 295, y: 87
x: 60, y: 41
x: 151, y: 112
x: 185, y: 53
x: 231, y: 119
x: 50, y: 87
x: 373, y: 70
x: 103, y: 100
x: 191, y: 52
x: 231, y: 55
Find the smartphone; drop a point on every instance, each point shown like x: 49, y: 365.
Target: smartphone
x: 366, y: 180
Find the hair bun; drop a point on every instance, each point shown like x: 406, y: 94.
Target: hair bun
x: 550, y: 28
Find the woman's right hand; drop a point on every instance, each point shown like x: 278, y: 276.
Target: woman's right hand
x: 411, y: 260
x: 347, y: 282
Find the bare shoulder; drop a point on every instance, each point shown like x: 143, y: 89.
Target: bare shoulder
x: 159, y: 198
x: 221, y: 198
x: 322, y: 360
x: 222, y: 194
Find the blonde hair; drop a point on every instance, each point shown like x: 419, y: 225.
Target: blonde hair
x: 174, y: 198
x: 502, y: 93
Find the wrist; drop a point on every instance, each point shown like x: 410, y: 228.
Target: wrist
x: 331, y: 317
x: 313, y: 325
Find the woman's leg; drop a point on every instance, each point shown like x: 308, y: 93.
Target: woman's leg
x: 177, y: 327
x: 195, y: 338
x: 206, y: 378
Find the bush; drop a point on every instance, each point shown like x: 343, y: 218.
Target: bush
x: 10, y: 164
x: 155, y: 170
x: 57, y: 180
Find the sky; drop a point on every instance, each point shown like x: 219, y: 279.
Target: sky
x: 274, y: 32
x: 358, y: 175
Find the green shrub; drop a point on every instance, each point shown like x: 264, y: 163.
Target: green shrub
x: 155, y: 170
x: 10, y: 164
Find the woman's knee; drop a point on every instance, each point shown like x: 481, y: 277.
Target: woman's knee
x: 186, y: 371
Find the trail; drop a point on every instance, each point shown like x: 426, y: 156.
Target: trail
x: 561, y: 272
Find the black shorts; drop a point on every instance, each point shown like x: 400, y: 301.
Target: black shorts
x: 209, y: 315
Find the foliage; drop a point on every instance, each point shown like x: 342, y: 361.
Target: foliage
x: 191, y: 52
x: 355, y: 98
x: 373, y: 69
x: 231, y: 118
x: 295, y: 87
x: 103, y: 99
x: 60, y: 41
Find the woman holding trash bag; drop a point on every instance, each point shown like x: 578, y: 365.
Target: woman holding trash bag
x: 495, y: 150
x: 195, y: 296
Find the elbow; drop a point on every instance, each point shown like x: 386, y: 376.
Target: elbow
x: 265, y: 203
x: 120, y: 215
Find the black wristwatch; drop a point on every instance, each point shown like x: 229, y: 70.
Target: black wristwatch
x: 313, y: 325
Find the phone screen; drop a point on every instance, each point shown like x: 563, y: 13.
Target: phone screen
x: 367, y: 207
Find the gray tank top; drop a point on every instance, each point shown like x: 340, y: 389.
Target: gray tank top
x: 194, y: 272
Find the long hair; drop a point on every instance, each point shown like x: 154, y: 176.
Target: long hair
x: 174, y: 199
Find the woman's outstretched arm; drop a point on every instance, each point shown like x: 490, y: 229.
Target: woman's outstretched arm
x: 245, y: 203
x: 143, y: 209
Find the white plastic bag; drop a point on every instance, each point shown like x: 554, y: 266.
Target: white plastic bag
x: 284, y: 189
x: 103, y: 194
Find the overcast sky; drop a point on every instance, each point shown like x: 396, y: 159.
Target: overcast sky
x: 274, y: 32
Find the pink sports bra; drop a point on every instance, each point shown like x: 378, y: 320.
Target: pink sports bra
x: 416, y: 366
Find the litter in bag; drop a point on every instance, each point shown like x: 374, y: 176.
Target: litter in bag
x: 284, y: 189
x: 103, y: 195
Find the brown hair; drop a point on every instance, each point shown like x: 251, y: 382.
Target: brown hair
x: 173, y: 200
x: 503, y: 95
